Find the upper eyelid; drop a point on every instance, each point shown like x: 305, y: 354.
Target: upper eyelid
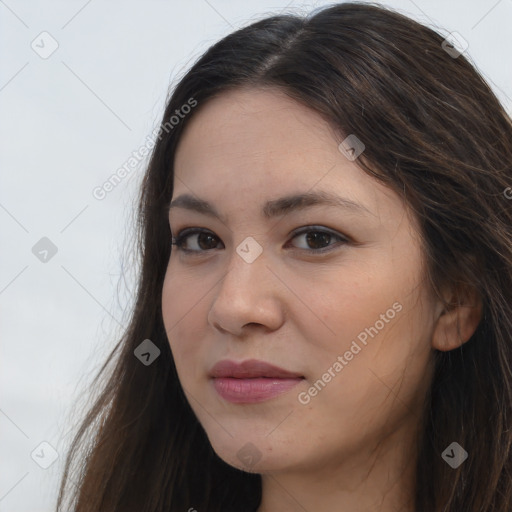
x: 297, y: 231
x: 189, y: 231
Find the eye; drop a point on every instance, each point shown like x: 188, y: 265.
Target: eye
x: 204, y: 240
x: 318, y: 240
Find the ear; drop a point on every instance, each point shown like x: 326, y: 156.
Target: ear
x: 458, y: 321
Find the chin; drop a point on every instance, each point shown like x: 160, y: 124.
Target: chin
x: 256, y: 456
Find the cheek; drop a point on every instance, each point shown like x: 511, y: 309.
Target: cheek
x: 183, y: 295
x: 391, y: 367
x: 345, y: 304
x: 382, y: 381
x: 180, y: 313
x: 377, y: 321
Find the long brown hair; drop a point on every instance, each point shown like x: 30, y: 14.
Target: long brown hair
x: 435, y: 133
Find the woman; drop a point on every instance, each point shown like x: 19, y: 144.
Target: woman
x: 324, y: 310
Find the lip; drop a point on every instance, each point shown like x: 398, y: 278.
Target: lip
x: 251, y: 381
x: 250, y: 369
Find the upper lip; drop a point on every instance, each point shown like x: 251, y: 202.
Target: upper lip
x: 251, y: 368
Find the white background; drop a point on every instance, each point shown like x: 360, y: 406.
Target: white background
x: 67, y: 124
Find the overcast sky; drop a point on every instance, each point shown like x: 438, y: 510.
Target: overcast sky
x: 82, y: 85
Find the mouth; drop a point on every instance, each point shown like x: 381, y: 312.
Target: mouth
x: 251, y: 381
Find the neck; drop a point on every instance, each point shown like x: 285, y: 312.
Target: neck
x: 378, y: 477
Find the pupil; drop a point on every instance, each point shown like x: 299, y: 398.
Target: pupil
x: 316, y: 237
x: 205, y: 235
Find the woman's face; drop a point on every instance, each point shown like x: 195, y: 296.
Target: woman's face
x: 332, y: 292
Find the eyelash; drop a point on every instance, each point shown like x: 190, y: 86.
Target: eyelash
x: 184, y: 234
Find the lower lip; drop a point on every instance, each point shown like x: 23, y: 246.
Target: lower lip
x: 248, y: 391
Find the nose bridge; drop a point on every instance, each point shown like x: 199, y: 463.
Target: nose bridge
x: 247, y: 266
x: 247, y: 292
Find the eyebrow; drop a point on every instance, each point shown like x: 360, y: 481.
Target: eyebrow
x: 274, y: 207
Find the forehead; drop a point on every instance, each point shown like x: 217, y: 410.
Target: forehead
x: 250, y: 118
x: 248, y: 146
x: 245, y: 133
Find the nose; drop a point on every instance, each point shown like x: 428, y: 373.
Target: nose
x: 249, y: 294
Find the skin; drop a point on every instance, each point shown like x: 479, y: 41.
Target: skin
x: 353, y: 442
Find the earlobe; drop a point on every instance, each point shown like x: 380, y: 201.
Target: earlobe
x: 458, y: 322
